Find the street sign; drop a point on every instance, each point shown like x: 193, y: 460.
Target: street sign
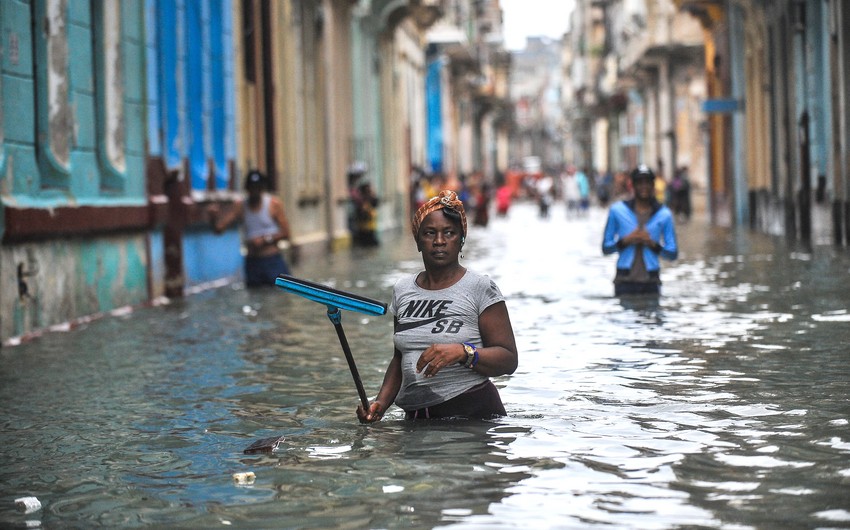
x: 722, y: 106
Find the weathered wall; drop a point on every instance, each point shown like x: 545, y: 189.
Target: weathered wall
x: 62, y: 281
x: 72, y: 188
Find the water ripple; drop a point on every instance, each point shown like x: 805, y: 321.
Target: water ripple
x: 722, y: 404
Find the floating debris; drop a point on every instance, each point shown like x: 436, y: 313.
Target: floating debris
x: 28, y: 504
x: 244, y: 478
x: 266, y: 445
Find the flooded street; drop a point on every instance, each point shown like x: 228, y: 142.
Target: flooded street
x: 725, y: 404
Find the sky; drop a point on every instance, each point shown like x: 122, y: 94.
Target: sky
x: 532, y: 18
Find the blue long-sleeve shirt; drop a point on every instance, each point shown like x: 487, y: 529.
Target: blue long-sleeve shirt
x: 622, y: 220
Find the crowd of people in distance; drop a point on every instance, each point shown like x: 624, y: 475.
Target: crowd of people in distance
x: 578, y: 191
x: 642, y: 209
x: 265, y: 223
x: 570, y: 185
x: 473, y: 190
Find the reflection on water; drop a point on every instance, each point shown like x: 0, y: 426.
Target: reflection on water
x: 723, y: 403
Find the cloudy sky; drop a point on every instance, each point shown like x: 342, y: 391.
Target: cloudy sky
x: 531, y: 18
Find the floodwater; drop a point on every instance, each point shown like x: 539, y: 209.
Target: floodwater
x: 724, y: 404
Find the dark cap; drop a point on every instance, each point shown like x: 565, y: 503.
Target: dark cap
x: 254, y: 178
x: 642, y: 172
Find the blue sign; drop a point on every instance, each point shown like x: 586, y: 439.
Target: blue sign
x: 723, y: 106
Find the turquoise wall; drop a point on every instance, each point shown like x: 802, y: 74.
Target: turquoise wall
x: 67, y: 280
x: 50, y: 161
x: 33, y: 176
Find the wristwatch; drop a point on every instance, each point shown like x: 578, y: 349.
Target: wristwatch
x: 471, y: 355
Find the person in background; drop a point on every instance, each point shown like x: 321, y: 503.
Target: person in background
x: 680, y: 193
x: 660, y: 186
x: 584, y: 191
x: 545, y: 189
x: 264, y: 225
x: 622, y: 188
x: 641, y: 230
x: 481, y: 215
x: 365, y: 216
x: 572, y: 191
x: 355, y: 174
x: 452, y: 329
x: 604, y: 188
x: 504, y: 196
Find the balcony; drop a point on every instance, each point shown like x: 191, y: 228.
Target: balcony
x: 707, y: 11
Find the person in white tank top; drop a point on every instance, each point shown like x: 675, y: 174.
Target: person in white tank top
x: 265, y: 224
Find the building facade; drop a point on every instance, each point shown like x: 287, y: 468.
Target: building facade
x: 75, y: 212
x: 469, y: 110
x: 780, y: 84
x: 536, y: 87
x: 753, y: 101
x: 634, y: 74
x: 124, y: 123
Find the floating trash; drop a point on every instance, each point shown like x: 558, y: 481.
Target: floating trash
x: 28, y: 504
x: 244, y: 478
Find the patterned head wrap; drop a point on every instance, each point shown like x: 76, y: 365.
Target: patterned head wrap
x: 445, y: 199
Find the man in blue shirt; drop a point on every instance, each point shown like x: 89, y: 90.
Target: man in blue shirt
x: 641, y: 230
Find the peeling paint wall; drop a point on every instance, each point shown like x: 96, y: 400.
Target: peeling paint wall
x: 59, y: 281
x: 61, y: 118
x: 72, y: 78
x: 115, y: 137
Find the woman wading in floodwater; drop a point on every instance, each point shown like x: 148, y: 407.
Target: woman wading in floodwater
x: 452, y: 329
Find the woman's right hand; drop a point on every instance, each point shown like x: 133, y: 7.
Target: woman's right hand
x: 375, y: 413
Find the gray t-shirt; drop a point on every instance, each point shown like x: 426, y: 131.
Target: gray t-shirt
x: 443, y: 316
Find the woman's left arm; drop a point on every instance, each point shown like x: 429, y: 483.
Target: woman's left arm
x: 498, y: 353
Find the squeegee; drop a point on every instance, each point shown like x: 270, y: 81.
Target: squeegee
x: 336, y: 301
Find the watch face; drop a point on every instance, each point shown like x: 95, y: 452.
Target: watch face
x: 470, y: 354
